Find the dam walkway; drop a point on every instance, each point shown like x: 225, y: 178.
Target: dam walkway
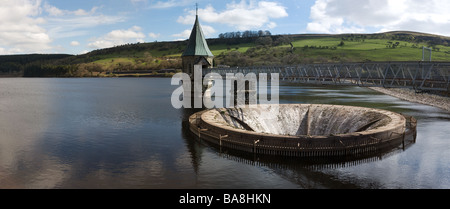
x: 421, y: 76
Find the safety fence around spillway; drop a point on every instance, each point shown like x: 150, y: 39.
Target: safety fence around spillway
x: 414, y: 75
x: 353, y: 144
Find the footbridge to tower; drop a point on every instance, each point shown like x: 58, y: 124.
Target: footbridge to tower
x: 420, y: 76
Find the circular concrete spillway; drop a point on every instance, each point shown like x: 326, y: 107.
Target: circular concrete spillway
x: 300, y: 129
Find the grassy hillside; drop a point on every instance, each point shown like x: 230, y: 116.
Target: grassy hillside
x: 349, y: 48
x: 269, y: 50
x: 376, y: 49
x: 393, y: 46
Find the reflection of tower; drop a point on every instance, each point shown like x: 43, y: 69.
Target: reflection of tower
x: 194, y: 148
x: 197, y: 51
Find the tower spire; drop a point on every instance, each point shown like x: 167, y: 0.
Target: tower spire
x: 197, y: 50
x: 196, y: 9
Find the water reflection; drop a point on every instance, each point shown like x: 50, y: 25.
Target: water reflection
x: 88, y: 133
x: 403, y: 169
x: 394, y: 168
x: 124, y: 133
x: 194, y: 148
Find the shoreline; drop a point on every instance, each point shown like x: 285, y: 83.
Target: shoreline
x: 410, y: 95
x: 104, y: 76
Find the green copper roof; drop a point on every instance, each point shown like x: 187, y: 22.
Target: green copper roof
x: 197, y: 45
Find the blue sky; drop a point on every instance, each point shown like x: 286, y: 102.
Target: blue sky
x: 76, y: 27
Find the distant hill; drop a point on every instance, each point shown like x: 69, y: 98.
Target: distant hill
x: 15, y: 64
x: 149, y: 58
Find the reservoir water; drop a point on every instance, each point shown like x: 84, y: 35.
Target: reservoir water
x: 124, y: 133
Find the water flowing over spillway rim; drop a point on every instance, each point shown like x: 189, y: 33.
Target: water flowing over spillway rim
x: 206, y: 127
x: 396, y: 120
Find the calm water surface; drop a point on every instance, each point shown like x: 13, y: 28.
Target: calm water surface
x: 124, y: 133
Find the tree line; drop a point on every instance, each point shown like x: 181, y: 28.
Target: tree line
x: 245, y: 34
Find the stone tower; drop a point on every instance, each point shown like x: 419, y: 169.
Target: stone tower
x: 197, y: 51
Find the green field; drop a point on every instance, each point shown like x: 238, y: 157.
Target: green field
x: 307, y: 49
x: 274, y: 50
x: 368, y: 50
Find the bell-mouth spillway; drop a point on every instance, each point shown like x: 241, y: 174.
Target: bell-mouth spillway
x: 302, y: 129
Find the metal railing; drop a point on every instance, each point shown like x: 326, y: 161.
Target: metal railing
x: 413, y: 75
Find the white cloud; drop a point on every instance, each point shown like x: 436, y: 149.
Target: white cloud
x: 54, y: 11
x: 163, y: 5
x: 74, y: 43
x: 70, y: 26
x: 118, y: 37
x: 65, y: 23
x: 207, y: 31
x: 154, y: 35
x: 245, y: 15
x: 169, y: 3
x: 20, y: 27
x: 183, y: 35
x: 31, y: 26
x: 81, y: 12
x: 332, y: 16
x: 271, y: 25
